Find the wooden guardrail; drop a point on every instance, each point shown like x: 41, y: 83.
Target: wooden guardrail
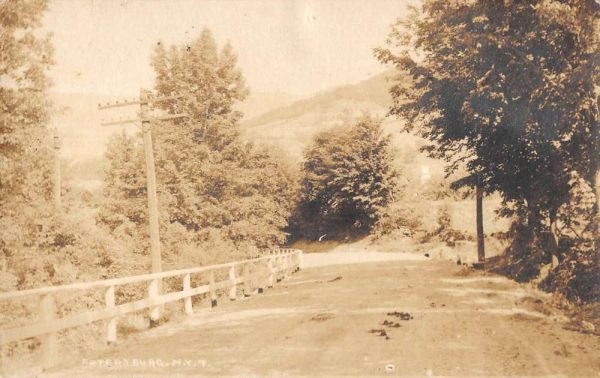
x: 263, y: 271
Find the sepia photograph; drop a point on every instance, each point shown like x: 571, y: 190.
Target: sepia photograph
x: 300, y: 188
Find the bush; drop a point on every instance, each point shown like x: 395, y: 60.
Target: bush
x: 348, y: 181
x: 577, y: 276
x: 397, y: 218
x: 445, y: 232
x: 525, y: 253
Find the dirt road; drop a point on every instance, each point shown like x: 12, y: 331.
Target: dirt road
x: 415, y: 318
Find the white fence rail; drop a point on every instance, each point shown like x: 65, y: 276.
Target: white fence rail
x: 260, y: 272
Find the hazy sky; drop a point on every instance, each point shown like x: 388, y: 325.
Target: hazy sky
x: 297, y: 47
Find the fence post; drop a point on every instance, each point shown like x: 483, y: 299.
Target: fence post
x: 278, y: 268
x: 262, y: 276
x: 111, y: 326
x: 233, y: 290
x: 187, y: 301
x: 286, y: 265
x: 270, y: 272
x: 294, y: 261
x: 153, y: 295
x: 49, y: 340
x: 247, y: 283
x: 211, y: 286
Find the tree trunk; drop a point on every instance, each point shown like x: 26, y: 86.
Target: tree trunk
x: 596, y: 218
x: 554, y: 242
x: 480, y: 236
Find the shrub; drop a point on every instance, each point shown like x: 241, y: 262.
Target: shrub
x: 394, y: 218
x: 445, y: 232
x: 348, y: 180
x: 577, y: 276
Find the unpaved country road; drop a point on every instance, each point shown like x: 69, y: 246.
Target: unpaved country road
x: 315, y: 323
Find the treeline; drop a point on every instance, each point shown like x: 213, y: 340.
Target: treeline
x: 220, y: 198
x: 40, y: 244
x: 508, y: 91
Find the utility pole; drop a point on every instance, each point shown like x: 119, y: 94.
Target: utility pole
x: 480, y: 234
x: 145, y: 119
x: 596, y: 229
x: 150, y: 185
x: 57, y: 181
x: 479, y: 211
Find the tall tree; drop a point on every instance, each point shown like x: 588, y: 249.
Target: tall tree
x: 25, y: 153
x: 24, y: 63
x: 40, y: 245
x: 506, y: 89
x: 124, y: 210
x: 211, y: 84
x: 212, y: 185
x: 348, y: 179
x: 215, y: 179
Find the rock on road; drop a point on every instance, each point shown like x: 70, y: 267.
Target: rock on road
x: 329, y: 320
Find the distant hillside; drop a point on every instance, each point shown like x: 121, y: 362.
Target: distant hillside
x: 292, y: 127
x: 262, y: 102
x: 83, y: 140
x: 372, y: 91
x: 78, y: 119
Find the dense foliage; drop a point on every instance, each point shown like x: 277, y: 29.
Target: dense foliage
x: 39, y: 243
x: 215, y: 190
x: 348, y: 180
x: 508, y: 90
x: 25, y: 158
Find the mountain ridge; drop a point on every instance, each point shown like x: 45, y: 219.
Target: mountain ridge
x: 373, y: 89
